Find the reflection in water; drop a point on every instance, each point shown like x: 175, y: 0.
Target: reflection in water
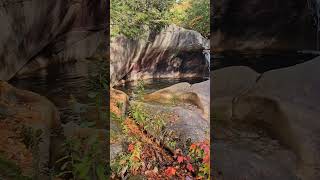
x: 152, y: 85
x: 260, y: 62
x: 59, y: 83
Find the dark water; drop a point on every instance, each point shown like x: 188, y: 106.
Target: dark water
x: 259, y: 61
x: 62, y: 84
x: 152, y: 85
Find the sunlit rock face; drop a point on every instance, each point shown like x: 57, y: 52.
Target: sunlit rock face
x: 175, y: 52
x: 55, y: 31
x: 262, y: 25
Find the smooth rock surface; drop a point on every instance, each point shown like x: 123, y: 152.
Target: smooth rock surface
x: 175, y: 52
x: 184, y: 93
x: 185, y: 124
x: 57, y: 30
x: 282, y: 103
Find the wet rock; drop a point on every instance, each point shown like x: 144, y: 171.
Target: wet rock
x: 30, y: 119
x: 175, y: 52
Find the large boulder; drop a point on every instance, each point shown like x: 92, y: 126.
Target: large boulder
x: 283, y: 104
x: 27, y: 122
x: 226, y: 84
x: 241, y: 25
x: 182, y: 125
x: 54, y: 31
x: 184, y: 109
x: 184, y: 93
x: 174, y: 52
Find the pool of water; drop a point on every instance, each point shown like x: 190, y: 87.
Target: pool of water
x: 152, y: 85
x: 63, y: 84
x: 259, y: 61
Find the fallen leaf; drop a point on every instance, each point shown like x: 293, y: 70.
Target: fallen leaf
x: 190, y: 167
x: 180, y: 159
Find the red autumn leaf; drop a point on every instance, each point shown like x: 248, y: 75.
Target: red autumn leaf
x: 135, y: 158
x: 190, y: 167
x: 188, y: 158
x: 131, y: 147
x: 180, y: 159
x: 193, y: 146
x: 206, y: 158
x: 170, y: 171
x: 205, y: 147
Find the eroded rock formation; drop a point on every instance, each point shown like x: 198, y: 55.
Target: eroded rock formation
x: 275, y: 113
x: 36, y: 33
x: 189, y: 103
x: 175, y: 52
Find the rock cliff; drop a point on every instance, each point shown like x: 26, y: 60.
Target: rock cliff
x: 262, y: 25
x: 36, y: 33
x: 175, y: 52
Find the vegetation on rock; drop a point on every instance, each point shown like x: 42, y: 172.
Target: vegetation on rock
x: 151, y: 150
x: 134, y: 19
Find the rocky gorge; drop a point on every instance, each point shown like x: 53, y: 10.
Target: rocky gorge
x: 173, y: 53
x: 164, y: 121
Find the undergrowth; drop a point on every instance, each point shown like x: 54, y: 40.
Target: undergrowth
x: 83, y: 159
x: 140, y: 158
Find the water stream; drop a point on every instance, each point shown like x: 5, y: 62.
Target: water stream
x: 206, y: 53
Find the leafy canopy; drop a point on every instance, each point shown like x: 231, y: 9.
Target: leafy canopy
x: 192, y: 14
x: 134, y: 18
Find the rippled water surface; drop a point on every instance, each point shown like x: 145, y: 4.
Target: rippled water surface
x: 260, y: 62
x: 152, y: 85
x: 65, y: 82
x: 62, y: 84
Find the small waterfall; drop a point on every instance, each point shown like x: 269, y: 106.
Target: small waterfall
x: 314, y: 7
x: 206, y: 53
